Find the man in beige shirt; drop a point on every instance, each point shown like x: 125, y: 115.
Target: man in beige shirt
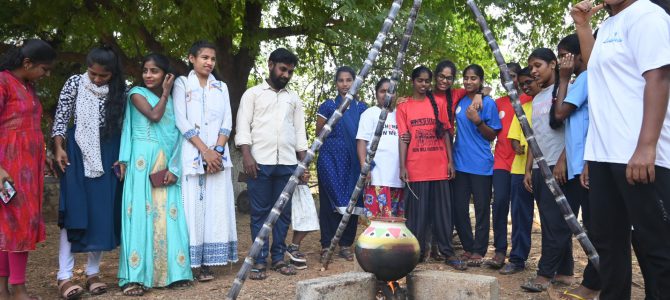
x: 271, y: 136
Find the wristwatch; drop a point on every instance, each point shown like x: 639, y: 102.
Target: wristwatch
x: 220, y: 149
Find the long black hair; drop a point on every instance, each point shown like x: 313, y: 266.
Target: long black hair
x: 161, y: 61
x: 35, y: 50
x: 439, y: 127
x: 549, y: 56
x: 449, y: 97
x: 116, y: 97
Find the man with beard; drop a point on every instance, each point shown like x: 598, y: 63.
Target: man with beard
x: 271, y: 136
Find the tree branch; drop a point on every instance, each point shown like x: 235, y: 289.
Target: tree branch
x: 285, y: 31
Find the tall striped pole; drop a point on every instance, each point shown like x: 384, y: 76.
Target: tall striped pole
x: 549, y: 179
x: 360, y: 184
x: 304, y: 164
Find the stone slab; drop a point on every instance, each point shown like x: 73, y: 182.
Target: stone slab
x: 433, y: 284
x: 351, y: 285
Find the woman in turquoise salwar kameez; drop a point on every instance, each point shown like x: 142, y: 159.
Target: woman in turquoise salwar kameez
x: 154, y: 236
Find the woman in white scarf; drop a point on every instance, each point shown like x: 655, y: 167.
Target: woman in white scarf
x: 202, y: 111
x: 90, y: 193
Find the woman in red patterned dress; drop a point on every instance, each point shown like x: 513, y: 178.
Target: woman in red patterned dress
x: 21, y: 161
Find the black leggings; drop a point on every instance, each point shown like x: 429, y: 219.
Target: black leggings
x: 616, y: 206
x: 432, y: 209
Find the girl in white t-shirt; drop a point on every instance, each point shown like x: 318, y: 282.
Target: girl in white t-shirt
x: 628, y: 141
x: 383, y: 195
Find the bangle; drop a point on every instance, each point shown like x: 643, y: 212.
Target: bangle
x: 479, y: 123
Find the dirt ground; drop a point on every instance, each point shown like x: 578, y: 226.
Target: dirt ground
x: 43, y: 265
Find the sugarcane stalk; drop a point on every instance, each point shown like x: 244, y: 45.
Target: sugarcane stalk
x: 360, y: 184
x: 304, y: 164
x: 549, y: 179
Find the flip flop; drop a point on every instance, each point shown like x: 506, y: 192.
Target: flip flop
x: 456, y: 263
x: 573, y: 296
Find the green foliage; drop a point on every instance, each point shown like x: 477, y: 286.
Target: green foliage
x: 324, y: 34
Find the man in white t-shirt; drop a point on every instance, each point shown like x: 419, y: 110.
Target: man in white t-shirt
x: 628, y: 141
x: 382, y: 197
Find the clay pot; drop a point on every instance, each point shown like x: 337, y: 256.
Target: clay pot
x: 387, y: 249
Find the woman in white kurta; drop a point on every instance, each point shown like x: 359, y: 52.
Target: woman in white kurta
x: 202, y: 110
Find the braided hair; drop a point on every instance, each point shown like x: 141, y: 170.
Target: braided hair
x: 439, y: 127
x: 36, y: 50
x: 449, y: 97
x: 548, y: 56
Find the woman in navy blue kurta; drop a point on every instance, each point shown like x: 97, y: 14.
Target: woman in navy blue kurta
x: 338, y: 166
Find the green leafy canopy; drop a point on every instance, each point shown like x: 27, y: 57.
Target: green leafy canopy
x: 324, y: 34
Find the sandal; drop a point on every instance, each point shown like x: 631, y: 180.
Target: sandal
x: 95, y: 286
x: 497, y: 262
x: 535, y: 287
x: 258, y: 272
x: 475, y: 260
x: 68, y: 290
x: 345, y: 252
x: 205, y: 274
x: 133, y: 290
x: 465, y: 256
x: 294, y: 253
x: 562, y: 283
x: 456, y: 263
x: 180, y: 285
x: 284, y: 269
x: 435, y: 254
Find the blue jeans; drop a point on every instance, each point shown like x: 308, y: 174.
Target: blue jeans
x: 522, y: 221
x: 500, y: 208
x: 264, y: 191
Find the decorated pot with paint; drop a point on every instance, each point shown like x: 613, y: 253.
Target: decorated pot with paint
x: 387, y: 249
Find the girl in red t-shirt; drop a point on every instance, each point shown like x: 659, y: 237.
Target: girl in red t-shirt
x: 426, y: 166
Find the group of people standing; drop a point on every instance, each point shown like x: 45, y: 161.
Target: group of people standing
x: 146, y: 168
x: 601, y: 132
x: 149, y: 168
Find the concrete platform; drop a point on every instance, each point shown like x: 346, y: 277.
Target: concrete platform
x: 351, y: 285
x: 431, y: 284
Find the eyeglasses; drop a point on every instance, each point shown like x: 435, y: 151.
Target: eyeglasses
x: 526, y: 83
x: 442, y: 77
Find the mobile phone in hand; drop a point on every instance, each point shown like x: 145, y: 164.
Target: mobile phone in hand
x: 9, y: 192
x: 117, y: 170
